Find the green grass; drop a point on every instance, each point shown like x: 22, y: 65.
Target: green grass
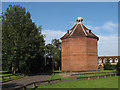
x: 11, y: 77
x: 57, y: 76
x: 107, y: 70
x: 3, y: 71
x: 109, y: 82
x: 5, y: 74
x: 57, y: 71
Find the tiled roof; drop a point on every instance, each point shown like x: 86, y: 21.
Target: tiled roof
x: 107, y: 57
x: 79, y: 30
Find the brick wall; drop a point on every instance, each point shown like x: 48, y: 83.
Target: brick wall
x: 79, y: 54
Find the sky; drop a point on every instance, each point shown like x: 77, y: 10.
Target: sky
x: 58, y: 17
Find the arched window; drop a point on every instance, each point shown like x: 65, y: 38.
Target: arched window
x: 116, y: 60
x: 99, y: 60
x: 104, y: 60
x: 111, y: 60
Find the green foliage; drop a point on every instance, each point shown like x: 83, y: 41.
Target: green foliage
x: 118, y: 67
x: 57, y: 53
x: 113, y: 67
x: 54, y: 51
x: 23, y: 44
x: 108, y: 66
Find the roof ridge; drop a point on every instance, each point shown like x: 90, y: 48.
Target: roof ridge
x: 74, y: 29
x: 83, y: 30
x: 80, y: 30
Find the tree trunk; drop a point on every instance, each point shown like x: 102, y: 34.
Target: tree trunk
x: 13, y: 69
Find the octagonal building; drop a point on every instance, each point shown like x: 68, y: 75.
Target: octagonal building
x: 79, y: 49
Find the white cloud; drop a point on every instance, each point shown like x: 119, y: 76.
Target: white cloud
x: 108, y: 45
x: 52, y: 34
x: 106, y: 27
x: 110, y: 26
x: 108, y: 39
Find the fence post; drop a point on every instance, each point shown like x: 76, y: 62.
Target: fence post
x: 49, y: 81
x: 98, y: 77
x: 24, y: 87
x: 3, y: 78
x: 110, y: 75
x: 105, y: 76
x: 9, y: 77
x: 34, y: 85
x: 88, y: 78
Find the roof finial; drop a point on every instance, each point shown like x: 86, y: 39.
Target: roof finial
x: 79, y: 20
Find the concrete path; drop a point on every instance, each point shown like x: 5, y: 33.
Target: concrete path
x: 23, y: 81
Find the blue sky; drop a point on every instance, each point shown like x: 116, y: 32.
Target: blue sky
x: 56, y: 18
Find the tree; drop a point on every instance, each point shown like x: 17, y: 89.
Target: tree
x: 118, y: 68
x: 57, y: 53
x: 0, y: 41
x: 53, y: 53
x: 48, y: 57
x: 56, y: 43
x: 23, y: 44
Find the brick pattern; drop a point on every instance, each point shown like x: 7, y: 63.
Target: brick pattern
x: 79, y: 54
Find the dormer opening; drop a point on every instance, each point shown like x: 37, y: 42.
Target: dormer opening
x: 89, y: 31
x: 68, y: 31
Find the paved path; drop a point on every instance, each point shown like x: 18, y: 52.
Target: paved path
x: 23, y: 81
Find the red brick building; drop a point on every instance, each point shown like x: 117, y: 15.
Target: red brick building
x: 79, y: 49
x: 112, y: 59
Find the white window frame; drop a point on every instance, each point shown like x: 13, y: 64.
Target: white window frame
x: 111, y: 60
x: 104, y: 60
x: 116, y: 60
x: 100, y: 61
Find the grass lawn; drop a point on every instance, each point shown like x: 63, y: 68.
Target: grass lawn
x: 107, y: 70
x: 57, y: 76
x: 5, y: 73
x: 109, y: 82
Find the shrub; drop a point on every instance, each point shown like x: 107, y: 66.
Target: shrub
x: 112, y: 67
x: 107, y: 65
x: 118, y: 68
